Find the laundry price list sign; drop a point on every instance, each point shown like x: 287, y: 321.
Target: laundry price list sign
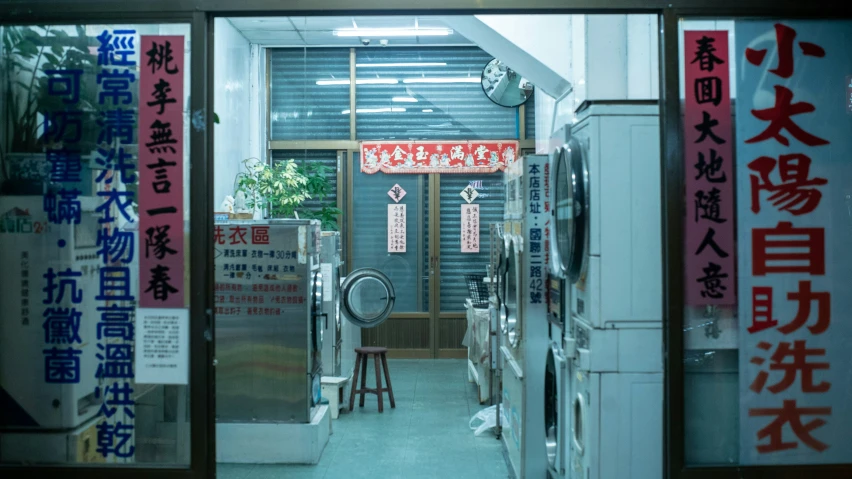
x: 794, y: 170
x: 256, y: 271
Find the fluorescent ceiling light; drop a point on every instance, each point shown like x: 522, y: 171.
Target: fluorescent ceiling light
x: 404, y: 99
x: 403, y: 64
x: 392, y: 32
x: 443, y: 80
x: 428, y: 110
x: 363, y: 81
x: 375, y: 110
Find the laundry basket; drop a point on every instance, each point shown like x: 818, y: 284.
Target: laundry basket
x: 477, y: 289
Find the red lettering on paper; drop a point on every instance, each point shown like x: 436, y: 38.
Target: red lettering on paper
x: 791, y: 414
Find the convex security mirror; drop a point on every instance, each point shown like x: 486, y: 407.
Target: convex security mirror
x: 504, y: 86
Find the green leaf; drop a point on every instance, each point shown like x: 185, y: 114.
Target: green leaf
x: 215, y: 118
x: 52, y: 59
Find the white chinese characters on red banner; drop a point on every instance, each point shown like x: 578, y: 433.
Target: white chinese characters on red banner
x: 790, y: 152
x: 424, y: 157
x: 396, y: 228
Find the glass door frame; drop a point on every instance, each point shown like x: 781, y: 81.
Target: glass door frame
x: 201, y: 371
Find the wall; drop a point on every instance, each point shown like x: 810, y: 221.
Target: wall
x: 612, y: 57
x: 232, y: 103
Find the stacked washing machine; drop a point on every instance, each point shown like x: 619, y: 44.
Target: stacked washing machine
x: 523, y: 319
x: 569, y: 220
x: 609, y: 252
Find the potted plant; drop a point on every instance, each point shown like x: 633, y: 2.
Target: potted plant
x: 28, y: 54
x: 281, y: 190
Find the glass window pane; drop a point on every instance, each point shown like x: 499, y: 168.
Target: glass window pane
x: 456, y: 263
x: 316, y: 164
x: 309, y: 94
x: 408, y: 270
x: 94, y: 216
x: 767, y: 111
x: 427, y: 93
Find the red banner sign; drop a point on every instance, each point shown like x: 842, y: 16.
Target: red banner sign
x: 424, y: 157
x: 708, y: 153
x: 161, y: 162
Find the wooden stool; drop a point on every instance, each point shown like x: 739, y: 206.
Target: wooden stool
x: 363, y: 355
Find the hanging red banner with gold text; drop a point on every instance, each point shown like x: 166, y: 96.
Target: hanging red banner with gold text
x: 424, y: 157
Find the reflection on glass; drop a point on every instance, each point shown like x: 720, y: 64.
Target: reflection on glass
x: 767, y: 271
x: 407, y: 271
x: 369, y: 298
x: 72, y: 385
x: 505, y: 86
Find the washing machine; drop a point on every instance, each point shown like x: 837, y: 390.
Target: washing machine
x: 616, y: 302
x: 616, y: 405
x: 524, y: 330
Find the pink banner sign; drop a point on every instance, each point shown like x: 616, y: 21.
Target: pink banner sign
x: 396, y: 228
x: 708, y: 153
x: 161, y: 182
x: 470, y: 228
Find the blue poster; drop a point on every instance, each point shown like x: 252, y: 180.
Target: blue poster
x: 794, y: 235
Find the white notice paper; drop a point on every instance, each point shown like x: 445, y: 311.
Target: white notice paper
x: 470, y: 228
x: 396, y: 228
x: 325, y: 270
x: 162, y: 346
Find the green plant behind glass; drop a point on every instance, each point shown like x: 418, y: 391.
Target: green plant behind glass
x: 283, y: 187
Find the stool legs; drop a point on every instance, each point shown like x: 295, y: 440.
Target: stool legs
x: 379, y: 383
x: 363, y: 380
x: 388, y: 381
x: 355, y: 382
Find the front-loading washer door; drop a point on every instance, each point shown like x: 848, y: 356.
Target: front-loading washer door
x: 317, y: 316
x: 551, y: 410
x: 366, y: 297
x: 512, y: 326
x: 570, y: 211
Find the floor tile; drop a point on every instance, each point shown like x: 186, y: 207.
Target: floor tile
x: 426, y: 436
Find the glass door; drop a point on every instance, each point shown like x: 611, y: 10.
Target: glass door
x: 103, y: 358
x: 389, y: 232
x: 467, y: 205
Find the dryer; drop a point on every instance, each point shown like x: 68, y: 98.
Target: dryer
x: 525, y: 336
x: 568, y: 232
x: 616, y: 303
x: 332, y: 338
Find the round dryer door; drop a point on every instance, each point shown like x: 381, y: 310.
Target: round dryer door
x: 317, y: 325
x: 512, y: 327
x: 551, y: 409
x: 571, y: 211
x: 366, y: 297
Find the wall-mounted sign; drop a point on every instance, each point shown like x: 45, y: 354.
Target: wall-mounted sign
x: 396, y: 193
x: 708, y: 145
x: 161, y: 162
x: 424, y: 157
x: 469, y: 194
x: 470, y: 228
x: 793, y: 163
x: 396, y: 228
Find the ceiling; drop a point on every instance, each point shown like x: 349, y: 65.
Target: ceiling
x: 318, y: 31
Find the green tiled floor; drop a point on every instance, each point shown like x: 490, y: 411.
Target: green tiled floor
x: 426, y: 436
